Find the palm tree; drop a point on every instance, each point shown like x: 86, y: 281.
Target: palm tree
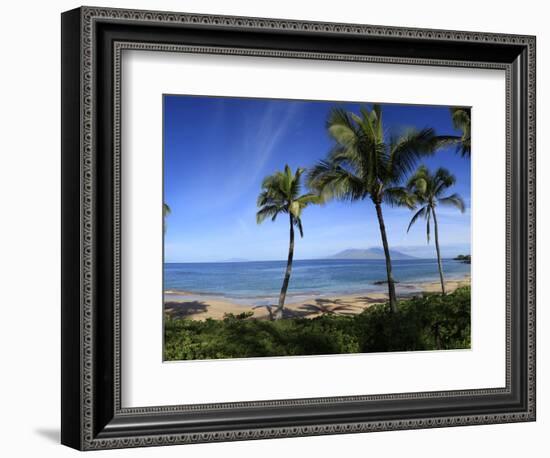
x: 165, y: 212
x: 367, y: 162
x: 461, y: 118
x: 428, y: 190
x: 281, y: 194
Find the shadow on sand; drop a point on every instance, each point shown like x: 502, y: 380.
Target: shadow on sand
x: 320, y: 306
x: 184, y: 309
x: 323, y: 306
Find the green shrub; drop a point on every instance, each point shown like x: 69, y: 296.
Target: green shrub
x: 431, y: 322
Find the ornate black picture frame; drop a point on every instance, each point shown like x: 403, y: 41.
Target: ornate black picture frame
x: 92, y: 42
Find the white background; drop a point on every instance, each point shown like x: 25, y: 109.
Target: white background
x: 30, y: 245
x: 148, y: 75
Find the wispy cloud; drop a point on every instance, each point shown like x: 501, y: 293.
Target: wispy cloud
x: 260, y: 141
x: 272, y: 128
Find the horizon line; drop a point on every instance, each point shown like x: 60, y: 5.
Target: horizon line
x: 413, y: 258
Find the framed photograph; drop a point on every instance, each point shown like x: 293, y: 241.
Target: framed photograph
x: 277, y: 228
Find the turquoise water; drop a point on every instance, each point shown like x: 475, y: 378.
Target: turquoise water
x: 259, y: 282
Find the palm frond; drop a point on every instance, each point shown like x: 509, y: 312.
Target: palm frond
x: 443, y: 179
x: 166, y: 210
x: 377, y: 112
x: 358, y: 157
x: 399, y: 196
x: 444, y: 141
x: 287, y: 182
x: 357, y: 142
x: 406, y: 150
x: 341, y: 127
x: 298, y: 223
x: 309, y: 198
x: 461, y: 118
x: 273, y: 197
x: 296, y: 183
x: 420, y: 181
x: 268, y: 211
x: 368, y: 123
x: 332, y: 181
x: 453, y: 200
x: 273, y: 188
x: 418, y: 214
x: 269, y: 197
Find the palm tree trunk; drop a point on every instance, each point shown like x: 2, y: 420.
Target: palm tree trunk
x: 391, y: 284
x: 440, y: 267
x: 279, y: 312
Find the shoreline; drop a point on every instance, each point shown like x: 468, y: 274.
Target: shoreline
x: 193, y: 306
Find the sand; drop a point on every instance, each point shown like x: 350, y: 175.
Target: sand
x: 178, y: 306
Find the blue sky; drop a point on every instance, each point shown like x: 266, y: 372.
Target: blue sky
x: 218, y: 150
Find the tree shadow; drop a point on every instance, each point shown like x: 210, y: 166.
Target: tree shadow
x: 371, y: 300
x: 324, y: 306
x: 302, y: 312
x: 184, y: 309
x: 269, y: 309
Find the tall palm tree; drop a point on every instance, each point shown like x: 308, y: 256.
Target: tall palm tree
x: 367, y: 162
x: 165, y: 212
x: 281, y: 194
x: 428, y: 189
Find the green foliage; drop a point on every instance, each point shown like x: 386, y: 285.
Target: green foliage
x: 366, y: 161
x: 465, y: 258
x: 166, y: 210
x: 430, y: 322
x: 462, y: 121
x: 427, y: 190
x: 281, y: 194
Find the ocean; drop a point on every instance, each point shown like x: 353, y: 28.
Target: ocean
x: 259, y: 282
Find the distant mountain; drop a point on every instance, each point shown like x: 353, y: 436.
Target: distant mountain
x: 369, y: 253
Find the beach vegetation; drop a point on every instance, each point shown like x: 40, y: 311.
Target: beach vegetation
x: 425, y: 322
x: 465, y: 258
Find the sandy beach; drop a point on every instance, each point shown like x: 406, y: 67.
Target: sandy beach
x: 177, y: 305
